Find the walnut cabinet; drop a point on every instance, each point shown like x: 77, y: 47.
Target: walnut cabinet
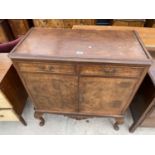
x: 81, y: 73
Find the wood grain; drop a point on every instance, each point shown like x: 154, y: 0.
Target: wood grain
x: 19, y: 26
x: 3, y: 36
x: 5, y: 31
x: 147, y: 34
x: 62, y: 23
x: 81, y: 45
x: 53, y: 92
x: 5, y: 64
x: 81, y: 72
x: 103, y: 95
x: 58, y: 68
x: 136, y: 23
x: 110, y: 70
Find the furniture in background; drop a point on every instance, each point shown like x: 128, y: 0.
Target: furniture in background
x: 129, y: 22
x: 149, y: 23
x: 5, y: 31
x: 104, y: 22
x: 12, y: 92
x: 153, y: 23
x: 62, y: 23
x: 147, y: 34
x: 77, y: 73
x: 19, y: 26
x: 143, y: 104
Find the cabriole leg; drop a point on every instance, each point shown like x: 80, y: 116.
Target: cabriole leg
x: 118, y: 122
x: 38, y: 115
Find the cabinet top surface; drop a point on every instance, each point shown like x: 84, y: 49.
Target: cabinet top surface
x: 80, y: 45
x: 5, y: 64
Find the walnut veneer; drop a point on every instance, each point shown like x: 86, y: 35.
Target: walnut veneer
x: 81, y: 73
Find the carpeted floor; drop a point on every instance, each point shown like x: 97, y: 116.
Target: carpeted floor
x: 57, y: 124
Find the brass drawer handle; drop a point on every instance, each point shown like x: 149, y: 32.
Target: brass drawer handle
x: 125, y: 84
x: 48, y: 68
x: 109, y: 70
x: 42, y: 67
x: 1, y: 116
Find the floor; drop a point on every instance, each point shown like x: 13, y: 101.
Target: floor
x: 60, y: 125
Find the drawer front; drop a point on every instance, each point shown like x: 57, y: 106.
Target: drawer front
x: 64, y: 68
x: 4, y: 103
x: 8, y: 115
x: 110, y: 70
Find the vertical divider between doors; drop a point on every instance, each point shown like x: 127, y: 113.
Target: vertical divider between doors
x: 78, y: 86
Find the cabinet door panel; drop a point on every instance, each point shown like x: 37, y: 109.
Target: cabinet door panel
x: 105, y: 96
x: 54, y: 93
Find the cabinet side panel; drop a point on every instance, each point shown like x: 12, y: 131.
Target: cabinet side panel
x: 14, y: 90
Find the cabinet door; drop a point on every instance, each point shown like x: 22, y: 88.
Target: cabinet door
x: 104, y: 96
x: 53, y: 93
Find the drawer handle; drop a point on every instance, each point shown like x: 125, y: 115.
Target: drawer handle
x: 42, y: 68
x: 109, y: 70
x: 48, y: 68
x: 1, y: 116
x: 125, y: 84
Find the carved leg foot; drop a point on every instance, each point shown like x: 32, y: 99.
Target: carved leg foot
x: 38, y: 115
x: 22, y: 120
x: 116, y: 127
x: 117, y: 123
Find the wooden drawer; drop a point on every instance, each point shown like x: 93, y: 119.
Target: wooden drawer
x: 4, y: 103
x: 109, y: 70
x: 8, y: 115
x: 64, y: 68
